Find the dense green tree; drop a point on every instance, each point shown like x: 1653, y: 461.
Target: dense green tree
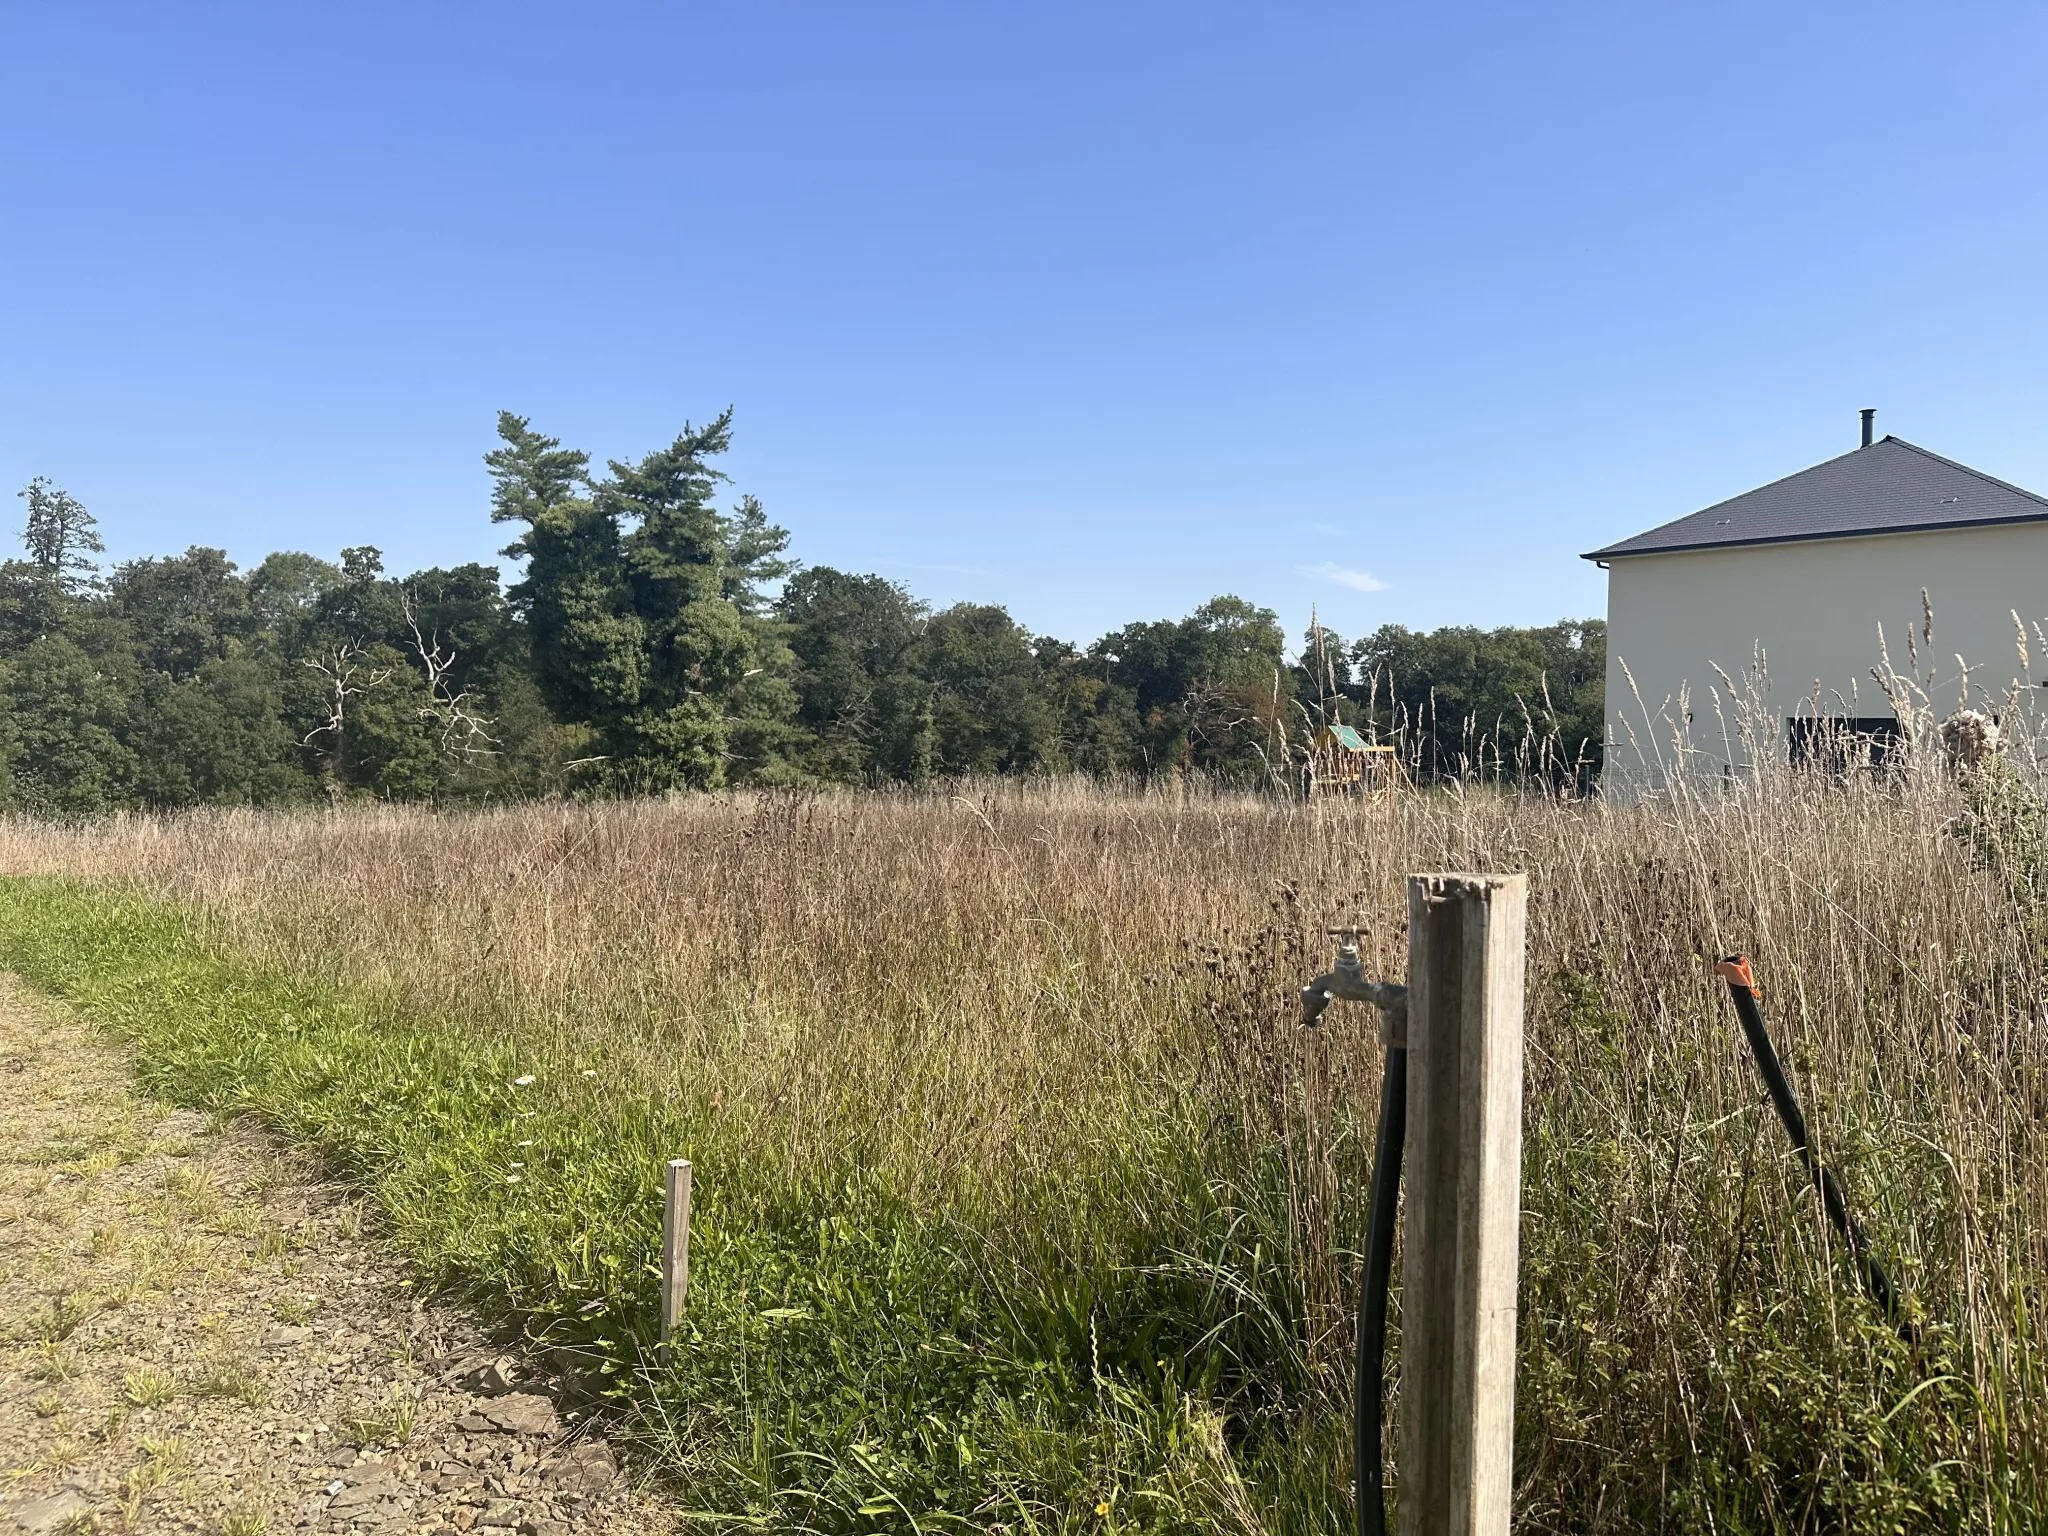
x: 365, y: 605
x: 64, y: 714
x: 30, y: 605
x: 182, y: 611
x: 43, y: 595
x: 535, y: 754
x: 753, y: 557
x: 1240, y: 690
x: 1095, y: 724
x: 217, y: 737
x: 644, y: 608
x: 326, y: 672
x: 988, y: 712
x: 1209, y: 693
x: 285, y: 592
x: 62, y: 537
x: 853, y: 642
x: 658, y: 641
x: 693, y: 577
x: 587, y: 644
x: 460, y: 638
x: 1460, y: 698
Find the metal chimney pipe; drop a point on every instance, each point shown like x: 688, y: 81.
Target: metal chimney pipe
x: 1869, y: 416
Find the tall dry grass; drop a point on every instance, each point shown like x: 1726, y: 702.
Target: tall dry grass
x: 1061, y: 1024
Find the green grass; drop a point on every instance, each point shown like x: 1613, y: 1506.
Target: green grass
x: 846, y: 1365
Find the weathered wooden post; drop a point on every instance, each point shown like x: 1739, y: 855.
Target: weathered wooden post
x: 675, y: 1248
x: 1464, y: 1157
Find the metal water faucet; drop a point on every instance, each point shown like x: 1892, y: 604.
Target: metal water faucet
x: 1347, y: 981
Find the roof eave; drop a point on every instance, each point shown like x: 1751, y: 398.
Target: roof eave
x: 1621, y: 552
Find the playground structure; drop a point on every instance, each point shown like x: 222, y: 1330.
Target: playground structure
x: 1342, y: 762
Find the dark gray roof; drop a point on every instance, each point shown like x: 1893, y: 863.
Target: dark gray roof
x: 1889, y: 487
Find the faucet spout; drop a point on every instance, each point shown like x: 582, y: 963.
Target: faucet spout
x: 1347, y: 981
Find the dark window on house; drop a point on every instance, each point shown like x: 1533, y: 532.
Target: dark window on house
x: 1838, y: 743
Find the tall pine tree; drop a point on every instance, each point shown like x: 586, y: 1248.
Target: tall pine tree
x: 643, y: 604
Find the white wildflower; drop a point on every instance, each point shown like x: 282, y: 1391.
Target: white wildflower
x: 523, y: 1082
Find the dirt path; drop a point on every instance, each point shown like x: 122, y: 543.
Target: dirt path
x: 196, y: 1335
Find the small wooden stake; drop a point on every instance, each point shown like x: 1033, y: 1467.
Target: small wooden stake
x: 675, y: 1247
x: 1465, y: 963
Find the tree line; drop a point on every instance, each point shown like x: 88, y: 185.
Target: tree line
x: 657, y: 641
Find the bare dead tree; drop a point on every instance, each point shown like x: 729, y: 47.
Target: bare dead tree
x: 1222, y: 716
x: 347, y: 676
x: 465, y: 734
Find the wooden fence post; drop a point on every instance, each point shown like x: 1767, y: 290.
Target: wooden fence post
x: 1464, y: 1157
x: 675, y: 1248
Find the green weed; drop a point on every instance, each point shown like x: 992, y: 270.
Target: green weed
x: 148, y: 1387
x: 390, y: 1423
x: 230, y: 1376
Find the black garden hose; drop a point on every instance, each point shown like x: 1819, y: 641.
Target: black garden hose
x: 1370, y: 1382
x: 1742, y: 988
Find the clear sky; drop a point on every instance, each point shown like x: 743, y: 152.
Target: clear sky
x: 1091, y: 310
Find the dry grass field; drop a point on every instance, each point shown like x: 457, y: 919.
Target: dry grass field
x: 1025, y: 1204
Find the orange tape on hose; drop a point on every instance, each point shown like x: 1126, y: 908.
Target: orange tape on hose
x: 1736, y: 969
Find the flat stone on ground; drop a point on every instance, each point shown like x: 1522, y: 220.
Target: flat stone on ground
x: 38, y: 1516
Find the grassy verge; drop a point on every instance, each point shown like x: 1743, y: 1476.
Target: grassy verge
x: 849, y: 1365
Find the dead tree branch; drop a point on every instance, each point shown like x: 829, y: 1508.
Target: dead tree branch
x: 465, y: 734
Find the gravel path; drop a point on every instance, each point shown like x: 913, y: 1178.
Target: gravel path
x: 197, y: 1335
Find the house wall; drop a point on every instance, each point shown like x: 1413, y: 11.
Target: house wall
x: 1815, y: 609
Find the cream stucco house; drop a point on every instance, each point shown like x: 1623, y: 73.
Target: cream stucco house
x: 1795, y: 592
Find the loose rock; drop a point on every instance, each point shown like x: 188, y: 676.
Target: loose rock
x: 38, y: 1516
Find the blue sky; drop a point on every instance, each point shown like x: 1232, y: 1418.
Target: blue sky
x: 1094, y: 311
